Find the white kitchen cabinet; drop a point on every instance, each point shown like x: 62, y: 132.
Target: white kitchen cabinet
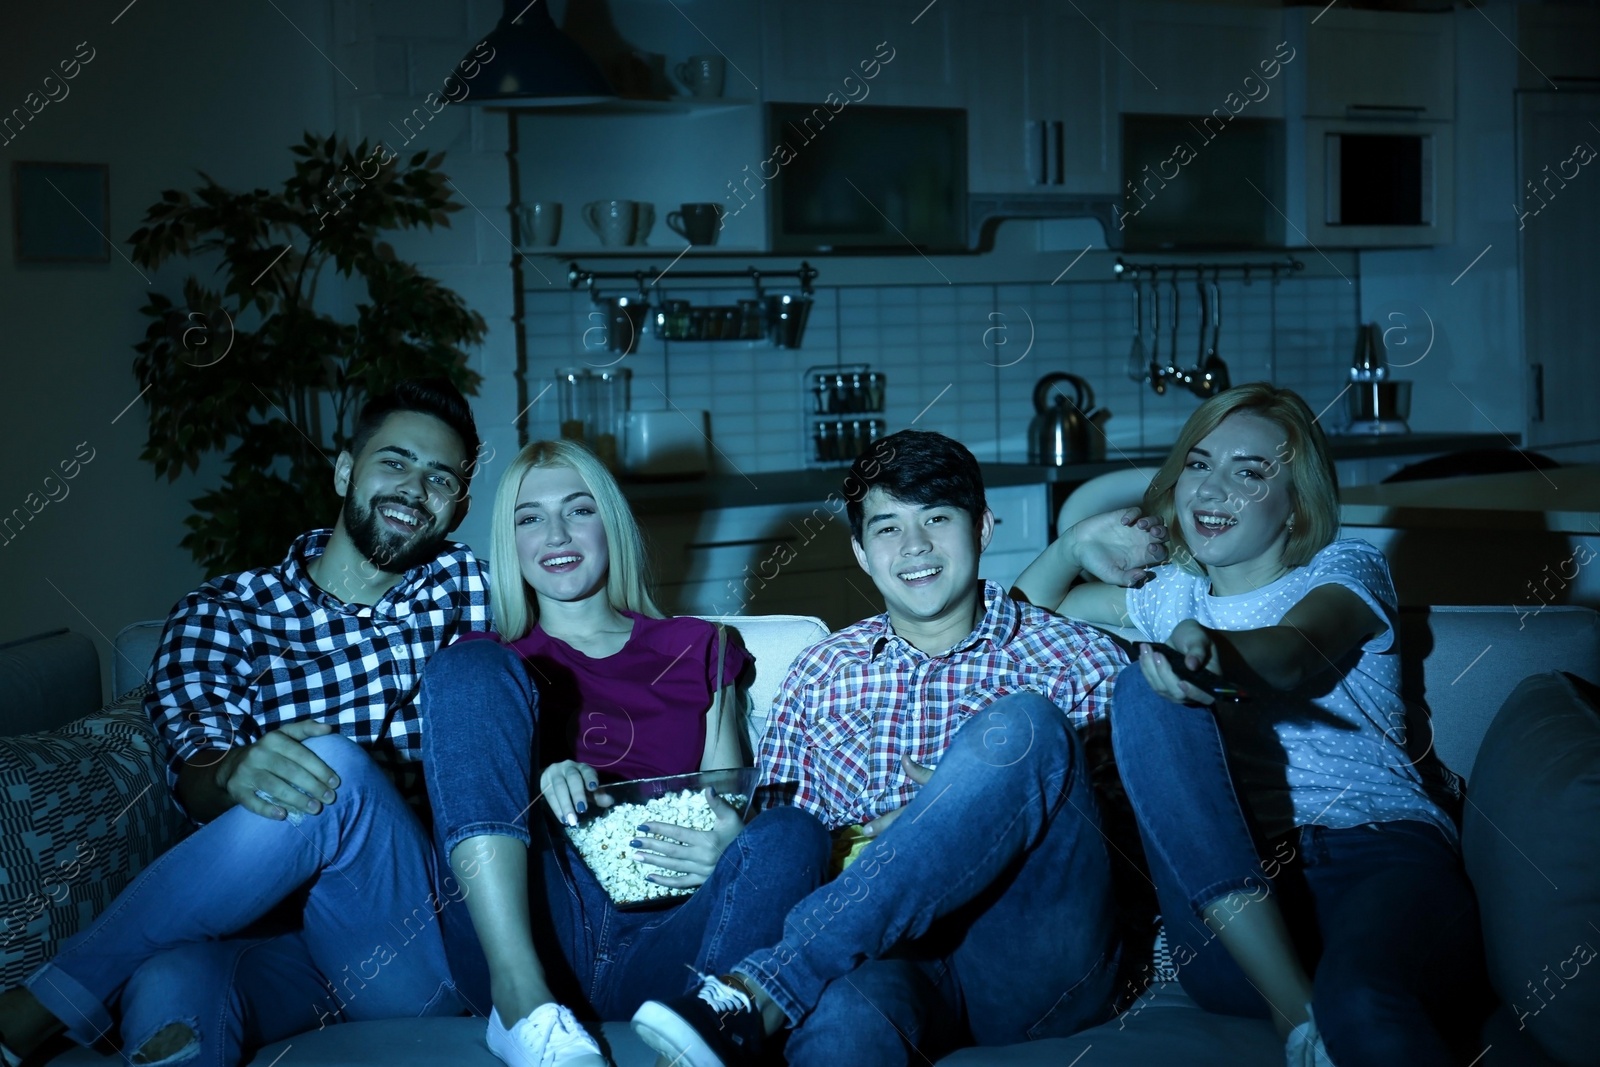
x: 778, y: 558
x: 1040, y: 86
x: 1559, y: 216
x: 812, y: 49
x: 1375, y: 64
x: 1188, y: 59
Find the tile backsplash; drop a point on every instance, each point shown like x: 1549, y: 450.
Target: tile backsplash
x: 960, y: 359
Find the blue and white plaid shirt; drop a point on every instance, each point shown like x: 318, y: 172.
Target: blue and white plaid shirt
x: 246, y: 653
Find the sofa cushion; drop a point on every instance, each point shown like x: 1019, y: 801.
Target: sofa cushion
x: 82, y: 810
x: 1163, y: 1027
x: 1530, y: 847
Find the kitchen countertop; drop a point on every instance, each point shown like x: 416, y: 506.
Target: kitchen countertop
x: 1561, y: 499
x: 802, y: 486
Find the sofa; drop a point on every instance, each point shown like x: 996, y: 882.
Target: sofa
x: 1512, y: 707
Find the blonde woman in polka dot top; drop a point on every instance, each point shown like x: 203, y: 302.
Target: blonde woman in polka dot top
x: 1304, y: 870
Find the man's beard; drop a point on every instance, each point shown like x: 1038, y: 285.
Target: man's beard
x: 385, y: 549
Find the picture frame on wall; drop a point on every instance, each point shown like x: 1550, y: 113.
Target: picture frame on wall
x: 61, y: 212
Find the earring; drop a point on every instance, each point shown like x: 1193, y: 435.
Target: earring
x: 1290, y: 525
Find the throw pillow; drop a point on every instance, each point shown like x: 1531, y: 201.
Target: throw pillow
x: 1533, y: 804
x: 83, y: 809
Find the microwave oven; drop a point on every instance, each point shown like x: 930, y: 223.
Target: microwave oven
x: 879, y: 179
x: 1372, y: 183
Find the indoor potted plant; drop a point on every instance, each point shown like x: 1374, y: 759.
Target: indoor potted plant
x: 266, y: 369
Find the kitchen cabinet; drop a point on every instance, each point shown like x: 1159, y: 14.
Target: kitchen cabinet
x: 1558, y: 45
x: 1188, y: 59
x: 1375, y: 64
x: 1558, y: 216
x: 774, y: 558
x: 1021, y: 531
x: 796, y: 558
x: 1040, y: 83
x: 864, y: 51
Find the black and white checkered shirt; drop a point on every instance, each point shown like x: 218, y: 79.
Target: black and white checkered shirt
x: 249, y: 652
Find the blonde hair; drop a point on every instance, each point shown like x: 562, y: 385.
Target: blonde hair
x: 512, y: 601
x: 1313, y: 484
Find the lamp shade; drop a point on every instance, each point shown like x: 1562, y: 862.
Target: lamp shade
x: 535, y: 63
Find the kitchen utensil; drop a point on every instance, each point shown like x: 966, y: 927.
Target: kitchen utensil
x: 625, y: 318
x: 1379, y: 406
x: 703, y: 76
x: 1213, y: 376
x: 1138, y: 356
x: 665, y: 444
x: 1060, y: 432
x: 696, y: 223
x: 786, y: 319
x: 1158, y: 380
x: 1174, y: 371
x: 540, y: 222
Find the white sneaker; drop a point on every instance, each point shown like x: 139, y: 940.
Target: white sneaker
x: 1304, y: 1047
x: 550, y: 1037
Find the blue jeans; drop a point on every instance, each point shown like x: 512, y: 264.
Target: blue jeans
x: 983, y: 915
x: 1382, y: 914
x: 480, y: 750
x: 166, y: 950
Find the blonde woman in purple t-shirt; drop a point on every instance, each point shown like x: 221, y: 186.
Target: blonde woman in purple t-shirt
x: 586, y: 683
x: 1306, y: 872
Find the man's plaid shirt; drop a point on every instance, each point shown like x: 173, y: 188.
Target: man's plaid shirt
x: 249, y: 652
x: 857, y: 700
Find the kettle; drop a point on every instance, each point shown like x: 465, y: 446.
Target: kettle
x: 1066, y: 431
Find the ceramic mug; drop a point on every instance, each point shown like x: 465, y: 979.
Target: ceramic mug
x: 540, y: 222
x: 697, y: 223
x: 702, y: 75
x: 619, y: 222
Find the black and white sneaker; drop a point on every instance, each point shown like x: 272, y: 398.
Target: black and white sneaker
x: 716, y: 1026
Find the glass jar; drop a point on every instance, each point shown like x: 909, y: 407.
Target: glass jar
x: 672, y: 321
x: 751, y: 321
x: 575, y: 401
x: 609, y: 410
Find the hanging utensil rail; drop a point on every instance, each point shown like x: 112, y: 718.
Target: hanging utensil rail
x: 646, y: 279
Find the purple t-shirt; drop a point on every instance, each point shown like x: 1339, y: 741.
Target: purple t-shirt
x: 640, y: 713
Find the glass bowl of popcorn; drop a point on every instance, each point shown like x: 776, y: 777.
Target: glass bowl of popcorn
x: 603, y: 832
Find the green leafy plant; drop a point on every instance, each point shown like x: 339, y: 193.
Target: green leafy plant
x: 259, y: 369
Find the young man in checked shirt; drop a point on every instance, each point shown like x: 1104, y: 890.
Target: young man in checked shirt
x: 940, y: 742
x: 287, y: 697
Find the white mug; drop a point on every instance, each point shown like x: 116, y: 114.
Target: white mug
x: 540, y: 222
x: 613, y: 221
x: 702, y: 75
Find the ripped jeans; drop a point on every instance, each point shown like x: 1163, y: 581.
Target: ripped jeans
x: 168, y: 949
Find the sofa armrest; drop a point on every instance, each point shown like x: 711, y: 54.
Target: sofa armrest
x: 46, y: 681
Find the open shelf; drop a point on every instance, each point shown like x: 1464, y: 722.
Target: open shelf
x: 677, y: 105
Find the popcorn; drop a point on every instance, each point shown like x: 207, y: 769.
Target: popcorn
x: 603, y: 842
